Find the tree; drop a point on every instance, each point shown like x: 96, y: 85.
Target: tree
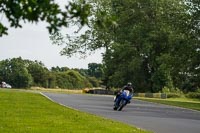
x: 150, y: 43
x: 153, y: 32
x: 95, y: 70
x: 58, y: 69
x: 71, y: 80
x: 14, y: 72
x: 97, y: 34
x: 39, y: 73
x: 43, y: 10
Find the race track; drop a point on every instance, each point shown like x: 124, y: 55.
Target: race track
x: 154, y: 117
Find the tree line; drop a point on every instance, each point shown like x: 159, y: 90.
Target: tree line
x: 22, y: 73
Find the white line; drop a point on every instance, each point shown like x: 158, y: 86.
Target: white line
x: 57, y: 102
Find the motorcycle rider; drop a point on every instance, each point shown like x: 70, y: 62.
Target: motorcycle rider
x: 126, y: 87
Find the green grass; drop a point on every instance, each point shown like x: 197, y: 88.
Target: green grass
x: 27, y: 112
x: 179, y: 102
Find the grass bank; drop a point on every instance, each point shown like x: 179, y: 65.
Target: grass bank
x: 27, y: 112
x: 179, y: 102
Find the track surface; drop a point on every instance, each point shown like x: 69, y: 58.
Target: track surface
x: 154, y: 117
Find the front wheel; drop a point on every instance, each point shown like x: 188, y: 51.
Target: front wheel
x: 115, y: 105
x: 122, y: 104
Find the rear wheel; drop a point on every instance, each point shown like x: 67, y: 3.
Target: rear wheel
x: 115, y: 108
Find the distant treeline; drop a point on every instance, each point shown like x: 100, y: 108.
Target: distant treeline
x: 22, y: 73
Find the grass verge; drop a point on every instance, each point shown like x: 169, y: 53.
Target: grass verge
x: 26, y: 112
x: 55, y: 90
x: 179, y: 102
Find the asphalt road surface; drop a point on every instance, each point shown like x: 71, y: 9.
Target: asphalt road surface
x: 154, y: 117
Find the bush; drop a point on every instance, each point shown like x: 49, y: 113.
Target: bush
x: 71, y: 80
x: 173, y: 95
x: 198, y: 90
x: 165, y: 90
x: 193, y: 95
x: 94, y: 81
x: 172, y: 92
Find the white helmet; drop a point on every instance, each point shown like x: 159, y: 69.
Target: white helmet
x: 129, y: 84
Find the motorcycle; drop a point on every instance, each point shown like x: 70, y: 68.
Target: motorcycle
x: 121, y: 101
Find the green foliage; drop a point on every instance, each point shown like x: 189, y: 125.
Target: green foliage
x: 51, y: 80
x: 198, y: 90
x: 165, y: 90
x: 71, y: 80
x: 193, y: 95
x: 95, y: 70
x: 58, y: 69
x: 179, y: 102
x: 83, y: 72
x: 150, y: 43
x: 15, y: 73
x: 172, y: 92
x: 62, y: 80
x: 174, y: 95
x: 25, y: 73
x: 74, y: 78
x: 78, y: 80
x: 39, y: 73
x: 94, y: 81
x: 43, y: 10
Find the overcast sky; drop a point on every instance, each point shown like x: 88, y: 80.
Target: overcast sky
x: 32, y: 42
